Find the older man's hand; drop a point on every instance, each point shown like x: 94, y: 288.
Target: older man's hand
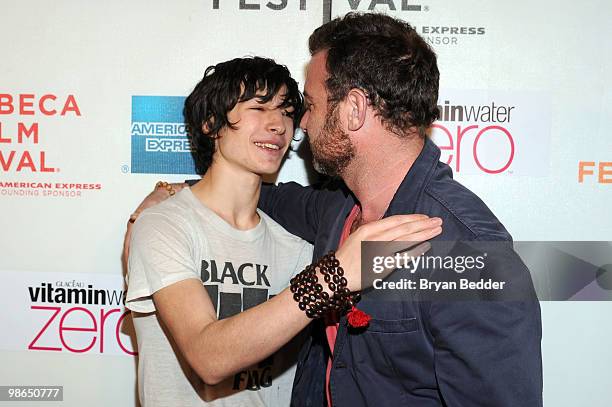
x: 160, y: 193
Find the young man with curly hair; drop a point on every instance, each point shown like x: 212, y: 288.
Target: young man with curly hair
x: 208, y: 271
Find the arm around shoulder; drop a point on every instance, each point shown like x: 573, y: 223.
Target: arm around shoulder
x: 297, y: 208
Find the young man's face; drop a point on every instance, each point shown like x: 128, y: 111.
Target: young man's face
x: 262, y: 135
x: 331, y: 147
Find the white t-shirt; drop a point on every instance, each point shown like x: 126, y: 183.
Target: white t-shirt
x: 180, y: 239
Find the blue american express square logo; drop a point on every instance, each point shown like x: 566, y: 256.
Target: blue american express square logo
x: 159, y: 137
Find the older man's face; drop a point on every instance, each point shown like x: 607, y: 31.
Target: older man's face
x: 331, y: 146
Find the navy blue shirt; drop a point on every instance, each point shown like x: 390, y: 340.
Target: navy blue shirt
x: 416, y: 353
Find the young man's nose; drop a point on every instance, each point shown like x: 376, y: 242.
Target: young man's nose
x: 276, y: 124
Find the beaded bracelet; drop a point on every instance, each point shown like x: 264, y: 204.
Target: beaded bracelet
x: 309, y: 293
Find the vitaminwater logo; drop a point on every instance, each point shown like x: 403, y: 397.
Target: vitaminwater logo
x: 487, y: 132
x: 70, y: 313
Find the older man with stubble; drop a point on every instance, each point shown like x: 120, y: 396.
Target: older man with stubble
x: 371, y: 95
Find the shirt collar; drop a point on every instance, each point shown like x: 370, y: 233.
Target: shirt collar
x: 407, y: 195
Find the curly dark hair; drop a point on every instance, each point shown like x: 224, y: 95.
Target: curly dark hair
x: 387, y: 59
x: 222, y: 87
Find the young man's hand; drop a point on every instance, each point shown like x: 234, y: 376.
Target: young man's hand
x: 405, y: 230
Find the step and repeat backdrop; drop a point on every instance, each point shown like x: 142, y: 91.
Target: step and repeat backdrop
x: 90, y: 118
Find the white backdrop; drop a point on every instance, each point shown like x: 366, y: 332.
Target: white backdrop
x: 68, y: 77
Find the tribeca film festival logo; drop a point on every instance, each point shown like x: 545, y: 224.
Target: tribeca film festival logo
x: 595, y: 172
x: 434, y: 34
x: 449, y: 35
x: 78, y: 317
x: 302, y: 5
x: 159, y: 136
x: 276, y: 5
x: 21, y: 151
x: 481, y: 132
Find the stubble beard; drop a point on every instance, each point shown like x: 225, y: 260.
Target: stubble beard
x: 332, y: 150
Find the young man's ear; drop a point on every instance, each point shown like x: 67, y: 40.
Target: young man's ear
x: 357, y: 105
x: 207, y: 126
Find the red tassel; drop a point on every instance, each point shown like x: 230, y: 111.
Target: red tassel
x: 357, y: 318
